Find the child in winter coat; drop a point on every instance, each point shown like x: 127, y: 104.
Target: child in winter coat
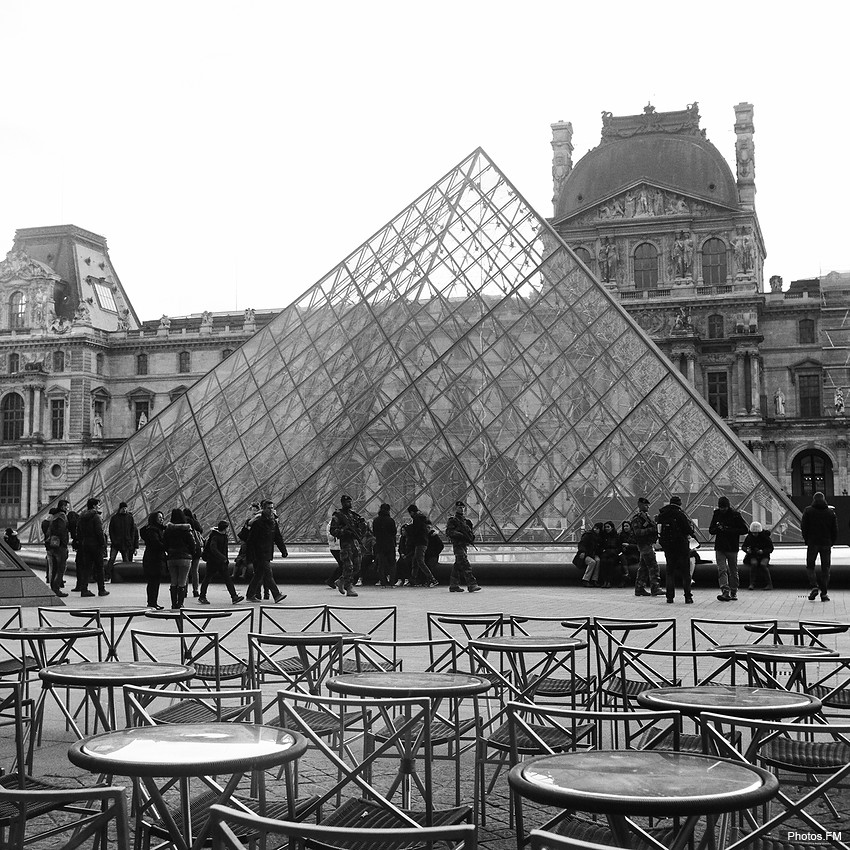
x: 757, y: 547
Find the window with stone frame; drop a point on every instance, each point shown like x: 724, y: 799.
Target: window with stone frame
x: 12, y: 416
x: 714, y: 267
x: 806, y: 331
x: 584, y: 255
x: 11, y: 486
x: 646, y: 266
x: 99, y: 364
x: 184, y: 361
x: 142, y: 407
x: 142, y: 364
x: 809, y: 388
x: 718, y: 392
x: 14, y: 363
x: 57, y: 419
x: 716, y: 328
x: 18, y: 310
x: 58, y: 361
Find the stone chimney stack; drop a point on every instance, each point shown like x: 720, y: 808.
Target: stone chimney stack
x: 745, y: 155
x: 562, y: 157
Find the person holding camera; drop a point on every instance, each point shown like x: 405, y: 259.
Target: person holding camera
x: 727, y: 526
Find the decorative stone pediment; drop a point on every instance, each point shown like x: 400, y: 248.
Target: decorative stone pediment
x: 681, y: 122
x: 18, y: 265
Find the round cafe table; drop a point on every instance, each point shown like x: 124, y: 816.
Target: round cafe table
x: 184, y: 751
x: 799, y: 630
x: 622, y: 783
x: 37, y: 639
x: 738, y: 653
x: 112, y: 635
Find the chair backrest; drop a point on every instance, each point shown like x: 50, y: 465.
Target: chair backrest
x: 667, y: 668
x: 466, y: 625
x: 431, y: 656
x: 15, y: 713
x: 611, y: 632
x: 300, y: 660
x: 198, y: 648
x: 157, y: 706
x: 62, y: 618
x: 227, y: 822
x: 292, y: 618
x: 11, y: 617
x: 822, y: 632
x: 826, y: 677
x: 708, y: 632
x: 379, y: 622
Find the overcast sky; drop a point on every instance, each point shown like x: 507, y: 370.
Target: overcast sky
x: 232, y: 153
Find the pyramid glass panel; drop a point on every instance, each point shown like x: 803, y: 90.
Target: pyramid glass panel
x: 461, y: 352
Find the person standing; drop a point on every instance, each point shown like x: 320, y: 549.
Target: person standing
x: 180, y: 546
x: 91, y: 542
x: 347, y: 527
x: 675, y: 531
x: 123, y: 538
x: 418, y: 541
x: 645, y: 533
x: 263, y: 536
x: 57, y: 547
x: 609, y: 555
x: 461, y: 536
x: 198, y: 537
x: 241, y: 567
x: 727, y: 525
x: 333, y: 548
x: 45, y: 534
x: 820, y: 531
x: 154, y: 559
x: 384, y: 530
x: 217, y: 557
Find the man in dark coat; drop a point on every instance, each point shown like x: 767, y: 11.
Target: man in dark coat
x: 727, y: 526
x: 57, y: 547
x: 820, y: 531
x: 263, y: 536
x: 216, y: 555
x: 460, y: 533
x: 417, y: 539
x: 675, y: 529
x: 348, y: 527
x: 123, y: 538
x: 384, y: 530
x: 645, y: 532
x: 91, y: 544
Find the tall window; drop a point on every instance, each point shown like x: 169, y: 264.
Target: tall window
x: 12, y: 416
x: 584, y: 255
x: 812, y: 473
x: 143, y: 408
x: 718, y: 392
x: 141, y: 364
x: 714, y: 262
x: 58, y: 361
x: 14, y: 363
x: 806, y: 329
x: 18, y: 310
x: 184, y: 362
x: 810, y: 396
x: 57, y: 418
x: 105, y: 299
x: 10, y: 491
x: 646, y: 266
x: 715, y: 326
x: 99, y: 363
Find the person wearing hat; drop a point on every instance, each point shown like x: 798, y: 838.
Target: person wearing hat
x: 216, y: 555
x: 460, y: 533
x: 645, y: 533
x: 11, y: 539
x: 727, y: 525
x: 123, y: 538
x: 675, y: 531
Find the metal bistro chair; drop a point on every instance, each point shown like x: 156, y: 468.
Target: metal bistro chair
x: 191, y: 706
x: 375, y: 622
x: 15, y: 664
x: 541, y: 840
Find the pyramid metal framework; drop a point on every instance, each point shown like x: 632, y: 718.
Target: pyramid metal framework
x: 462, y: 352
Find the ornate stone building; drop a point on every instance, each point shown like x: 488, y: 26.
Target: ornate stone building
x: 78, y: 370
x: 656, y: 213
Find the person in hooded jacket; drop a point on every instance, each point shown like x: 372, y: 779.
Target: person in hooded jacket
x: 460, y: 533
x: 216, y: 554
x: 675, y: 531
x: 588, y: 549
x: 180, y: 546
x: 154, y: 559
x: 757, y: 547
x: 384, y: 530
x: 820, y: 531
x: 727, y: 525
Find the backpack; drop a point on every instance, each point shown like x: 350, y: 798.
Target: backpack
x: 205, y: 552
x: 199, y: 543
x: 244, y: 533
x: 668, y: 531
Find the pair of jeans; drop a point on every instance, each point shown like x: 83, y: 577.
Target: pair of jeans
x: 57, y: 558
x: 222, y: 570
x: 152, y: 571
x: 263, y: 577
x: 385, y: 567
x: 678, y: 560
x: 419, y: 572
x: 92, y: 568
x: 727, y: 571
x: 461, y: 569
x: 592, y: 571
x: 647, y: 574
x: 824, y: 552
x: 178, y: 571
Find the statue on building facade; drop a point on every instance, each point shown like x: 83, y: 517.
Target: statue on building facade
x: 744, y: 252
x: 82, y: 315
x: 124, y: 320
x: 206, y: 319
x: 97, y: 427
x: 775, y: 283
x: 683, y: 320
x: 607, y: 257
x: 164, y: 322
x: 249, y: 316
x: 143, y: 420
x: 682, y: 255
x: 19, y: 266
x: 838, y: 401
x: 779, y: 402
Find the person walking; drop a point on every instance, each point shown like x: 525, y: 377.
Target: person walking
x: 198, y: 537
x: 57, y: 547
x: 180, y: 546
x: 404, y: 562
x: 757, y: 548
x: 216, y: 555
x: 154, y: 559
x: 45, y: 533
x: 333, y: 548
x: 347, y: 526
x: 384, y: 530
x: 263, y: 536
x: 418, y: 541
x: 645, y: 533
x: 123, y: 538
x: 461, y: 536
x: 241, y: 568
x: 92, y: 547
x: 727, y: 526
x: 820, y: 531
x: 675, y: 531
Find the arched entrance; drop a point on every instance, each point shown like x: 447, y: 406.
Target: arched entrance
x: 811, y: 472
x: 11, y: 482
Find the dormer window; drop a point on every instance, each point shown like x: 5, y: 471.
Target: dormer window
x: 105, y: 298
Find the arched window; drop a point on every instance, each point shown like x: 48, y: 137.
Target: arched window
x: 11, y: 482
x: 58, y: 361
x: 141, y: 364
x: 806, y: 330
x: 646, y: 266
x: 714, y: 269
x: 14, y: 363
x: 584, y: 255
x: 99, y: 363
x: 18, y: 310
x: 715, y: 326
x: 184, y: 362
x: 12, y: 416
x: 811, y: 473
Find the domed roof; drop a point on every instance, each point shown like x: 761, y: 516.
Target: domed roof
x: 688, y: 164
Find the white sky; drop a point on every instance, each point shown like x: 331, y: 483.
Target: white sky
x: 232, y: 153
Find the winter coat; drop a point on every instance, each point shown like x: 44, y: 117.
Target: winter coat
x: 609, y: 542
x: 263, y: 537
x: 347, y: 526
x: 12, y: 541
x: 757, y: 545
x: 216, y: 549
x: 644, y: 529
x: 404, y: 547
x: 819, y: 526
x: 459, y: 530
x: 589, y: 543
x: 90, y: 536
x: 728, y: 525
x: 179, y: 542
x: 154, y: 537
x: 628, y: 547
x: 676, y: 528
x: 417, y: 535
x: 435, y: 544
x: 384, y: 529
x: 123, y: 532
x: 59, y: 528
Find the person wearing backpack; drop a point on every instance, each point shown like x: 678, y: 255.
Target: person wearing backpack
x: 727, y: 525
x: 216, y: 556
x: 675, y: 529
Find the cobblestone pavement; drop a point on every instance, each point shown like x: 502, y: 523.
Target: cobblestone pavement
x: 51, y: 760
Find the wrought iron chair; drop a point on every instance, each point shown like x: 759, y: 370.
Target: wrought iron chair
x: 191, y: 706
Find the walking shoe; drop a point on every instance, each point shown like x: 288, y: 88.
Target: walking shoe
x: 202, y: 600
x: 433, y: 583
x: 254, y: 599
x: 350, y: 591
x: 689, y: 600
x: 237, y: 599
x: 195, y: 593
x: 824, y: 597
x: 669, y: 601
x: 340, y: 586
x: 724, y: 597
x: 331, y: 585
x: 813, y: 594
x: 642, y: 591
x: 455, y: 590
x: 60, y: 593
x: 655, y: 591
x: 280, y: 597
x: 103, y: 592
x: 733, y: 597
x: 474, y: 588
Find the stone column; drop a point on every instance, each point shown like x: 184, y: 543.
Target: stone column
x: 758, y: 448
x: 841, y: 477
x: 39, y: 410
x: 25, y: 487
x: 691, y: 367
x: 780, y: 463
x: 35, y: 481
x: 745, y: 155
x: 756, y: 384
x: 741, y: 384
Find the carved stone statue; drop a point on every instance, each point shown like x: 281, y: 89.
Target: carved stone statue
x: 775, y: 283
x: 682, y: 255
x: 779, y: 402
x: 82, y: 315
x: 124, y: 320
x: 19, y: 266
x: 607, y: 257
x: 249, y: 316
x: 143, y: 420
x: 839, y: 402
x: 683, y: 320
x: 165, y: 322
x: 642, y: 206
x: 206, y: 319
x: 97, y: 428
x: 60, y: 325
x: 744, y: 252
x: 658, y: 202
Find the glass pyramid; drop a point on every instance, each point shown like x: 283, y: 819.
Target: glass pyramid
x: 462, y: 352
